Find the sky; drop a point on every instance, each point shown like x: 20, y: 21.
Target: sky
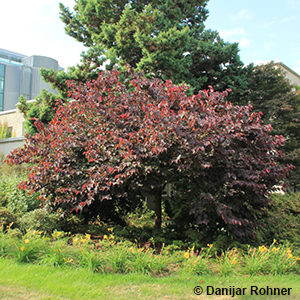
x: 265, y: 29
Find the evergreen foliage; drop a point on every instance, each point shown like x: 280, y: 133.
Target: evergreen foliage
x: 164, y: 39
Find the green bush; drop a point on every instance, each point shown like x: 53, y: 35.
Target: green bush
x: 16, y: 200
x: 13, y: 170
x: 74, y: 223
x: 7, y: 219
x: 282, y: 220
x: 40, y: 220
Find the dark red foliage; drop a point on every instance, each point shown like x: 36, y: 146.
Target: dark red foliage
x: 142, y: 134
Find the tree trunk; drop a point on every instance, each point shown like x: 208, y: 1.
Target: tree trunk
x: 153, y: 200
x: 158, y: 210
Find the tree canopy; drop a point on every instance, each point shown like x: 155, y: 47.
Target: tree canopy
x: 164, y: 39
x: 270, y: 92
x: 132, y: 137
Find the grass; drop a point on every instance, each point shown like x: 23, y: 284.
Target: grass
x: 29, y: 281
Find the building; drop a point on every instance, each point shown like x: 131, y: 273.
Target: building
x: 19, y: 75
x: 291, y: 75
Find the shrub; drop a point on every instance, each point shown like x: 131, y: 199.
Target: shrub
x: 73, y: 223
x: 13, y: 170
x: 121, y: 141
x: 16, y: 200
x: 281, y: 220
x: 7, y: 219
x: 41, y: 220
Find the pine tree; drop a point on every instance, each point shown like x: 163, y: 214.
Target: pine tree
x: 164, y: 39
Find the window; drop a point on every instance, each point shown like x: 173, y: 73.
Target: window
x: 2, y: 77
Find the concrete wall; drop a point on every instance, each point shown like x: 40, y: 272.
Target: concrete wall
x: 7, y: 145
x: 11, y: 86
x: 26, y: 82
x: 13, y: 118
x: 38, y: 61
x: 23, y: 78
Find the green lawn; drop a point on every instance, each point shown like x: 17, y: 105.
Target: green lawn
x: 28, y: 281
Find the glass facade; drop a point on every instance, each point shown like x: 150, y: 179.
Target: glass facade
x: 2, y: 77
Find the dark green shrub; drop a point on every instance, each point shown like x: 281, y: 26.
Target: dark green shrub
x: 41, y: 220
x: 282, y: 220
x: 73, y: 223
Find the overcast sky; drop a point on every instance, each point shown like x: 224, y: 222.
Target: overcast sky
x: 265, y: 29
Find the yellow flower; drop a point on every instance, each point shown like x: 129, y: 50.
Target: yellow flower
x: 22, y: 249
x: 140, y: 249
x: 288, y: 250
x: 234, y: 261
x: 83, y: 240
x: 88, y: 236
x: 275, y: 249
x: 105, y: 237
x: 111, y: 236
x: 186, y: 255
x: 210, y: 245
x: 110, y: 229
x: 290, y: 255
x: 75, y: 240
x: 274, y: 241
x: 262, y: 248
x: 26, y: 241
x: 11, y: 224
